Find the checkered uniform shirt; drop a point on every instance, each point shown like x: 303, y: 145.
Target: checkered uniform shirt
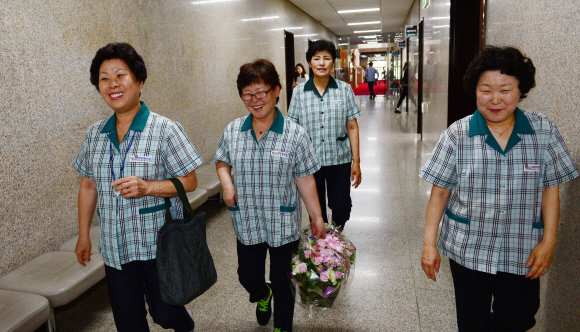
x: 493, y: 217
x: 129, y: 226
x: 268, y: 207
x: 325, y: 117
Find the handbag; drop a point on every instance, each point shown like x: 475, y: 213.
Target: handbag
x: 184, y: 263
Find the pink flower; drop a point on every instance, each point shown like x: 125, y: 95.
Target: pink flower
x: 295, y: 259
x: 302, y: 268
x: 307, y: 253
x: 318, y: 260
x: 324, y: 276
x: 338, y: 275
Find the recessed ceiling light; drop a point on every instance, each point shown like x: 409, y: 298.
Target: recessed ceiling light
x: 365, y: 31
x: 363, y: 23
x: 289, y: 28
x: 259, y: 18
x: 359, y: 10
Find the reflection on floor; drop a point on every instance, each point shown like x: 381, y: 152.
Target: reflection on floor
x: 389, y: 292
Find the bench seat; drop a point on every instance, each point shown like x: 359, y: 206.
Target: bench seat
x: 55, y: 275
x: 197, y: 197
x: 22, y: 312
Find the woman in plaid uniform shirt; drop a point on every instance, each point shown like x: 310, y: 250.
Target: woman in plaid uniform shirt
x: 495, y: 177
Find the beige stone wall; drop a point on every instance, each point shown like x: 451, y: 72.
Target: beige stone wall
x: 192, y: 53
x: 546, y: 32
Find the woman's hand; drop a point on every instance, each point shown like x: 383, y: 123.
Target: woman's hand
x: 430, y: 261
x: 230, y: 195
x: 131, y: 187
x: 355, y: 174
x: 83, y: 250
x: 295, y: 85
x: 540, y: 260
x: 318, y: 228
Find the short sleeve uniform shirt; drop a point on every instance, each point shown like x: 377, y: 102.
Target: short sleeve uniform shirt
x: 493, y: 219
x: 155, y: 148
x: 268, y: 208
x: 325, y: 117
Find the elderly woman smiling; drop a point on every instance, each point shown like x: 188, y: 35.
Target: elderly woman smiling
x: 495, y: 175
x: 124, y: 162
x: 273, y: 163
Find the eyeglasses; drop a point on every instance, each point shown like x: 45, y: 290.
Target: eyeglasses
x: 258, y: 95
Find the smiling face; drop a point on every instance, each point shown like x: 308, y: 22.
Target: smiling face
x: 264, y: 107
x: 118, y: 86
x: 321, y: 64
x: 497, y: 96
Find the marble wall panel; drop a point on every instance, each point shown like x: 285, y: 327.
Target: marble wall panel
x: 192, y: 51
x: 546, y: 32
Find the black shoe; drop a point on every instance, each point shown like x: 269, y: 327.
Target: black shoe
x: 264, y: 309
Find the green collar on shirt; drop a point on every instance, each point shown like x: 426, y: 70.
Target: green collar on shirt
x: 138, y: 124
x: 309, y: 85
x: 478, y: 126
x: 277, y: 126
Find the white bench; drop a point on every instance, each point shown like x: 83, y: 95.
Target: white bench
x: 57, y: 276
x: 197, y: 197
x: 22, y: 312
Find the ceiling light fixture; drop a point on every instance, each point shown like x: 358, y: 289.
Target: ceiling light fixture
x: 358, y: 10
x: 314, y: 34
x: 363, y: 23
x: 371, y: 36
x: 259, y: 18
x: 366, y: 31
x: 289, y: 28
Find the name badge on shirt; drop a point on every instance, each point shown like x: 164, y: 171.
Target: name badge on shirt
x: 531, y: 168
x: 280, y: 154
x: 141, y: 159
x: 336, y: 101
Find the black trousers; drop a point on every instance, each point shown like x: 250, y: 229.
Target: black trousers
x: 371, y: 88
x: 334, y: 180
x: 403, y: 96
x: 516, y: 300
x: 128, y: 289
x: 252, y: 270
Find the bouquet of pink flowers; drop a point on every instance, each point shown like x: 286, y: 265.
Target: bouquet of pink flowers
x: 321, y: 268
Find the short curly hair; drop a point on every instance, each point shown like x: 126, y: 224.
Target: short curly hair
x: 122, y: 51
x: 320, y: 46
x: 259, y: 71
x: 508, y: 60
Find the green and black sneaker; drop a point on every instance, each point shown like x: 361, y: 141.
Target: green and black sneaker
x: 264, y: 309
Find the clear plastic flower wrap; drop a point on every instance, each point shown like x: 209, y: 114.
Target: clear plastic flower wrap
x: 322, y: 269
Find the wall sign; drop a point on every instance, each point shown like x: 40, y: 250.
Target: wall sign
x: 401, y: 44
x: 411, y: 31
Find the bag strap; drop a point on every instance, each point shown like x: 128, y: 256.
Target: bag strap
x: 187, y: 211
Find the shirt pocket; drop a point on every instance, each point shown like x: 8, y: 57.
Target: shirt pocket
x: 148, y: 218
x: 289, y: 217
x: 455, y: 233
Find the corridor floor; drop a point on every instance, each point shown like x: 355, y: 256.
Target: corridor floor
x: 389, y: 291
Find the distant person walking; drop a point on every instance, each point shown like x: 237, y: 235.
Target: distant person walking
x: 371, y: 79
x: 404, y: 88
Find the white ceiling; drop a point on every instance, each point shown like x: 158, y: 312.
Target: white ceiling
x: 392, y: 16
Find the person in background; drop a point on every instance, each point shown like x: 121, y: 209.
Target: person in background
x: 328, y: 110
x: 273, y: 163
x: 371, y: 79
x: 364, y: 74
x: 495, y: 177
x: 300, y: 75
x: 124, y: 162
x: 403, y: 87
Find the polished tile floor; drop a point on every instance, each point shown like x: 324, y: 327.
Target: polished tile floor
x: 389, y: 291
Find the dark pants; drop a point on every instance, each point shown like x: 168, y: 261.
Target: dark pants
x: 252, y: 270
x: 516, y: 300
x: 404, y: 93
x: 371, y: 88
x: 334, y: 180
x: 128, y: 289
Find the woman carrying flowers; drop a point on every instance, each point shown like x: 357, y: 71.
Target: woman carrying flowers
x: 272, y: 161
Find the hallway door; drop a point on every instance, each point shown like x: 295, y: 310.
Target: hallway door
x: 290, y: 63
